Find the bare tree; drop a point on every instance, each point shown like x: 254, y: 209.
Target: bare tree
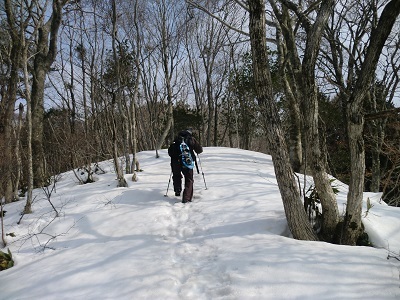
x: 44, y: 54
x: 355, y: 118
x: 290, y: 66
x: 296, y: 217
x: 117, y: 96
x: 304, y: 77
x: 213, y: 46
x: 95, y: 48
x: 315, y: 157
x: 341, y: 62
x: 16, y: 27
x: 29, y: 125
x: 295, y: 214
x: 211, y: 40
x: 134, y: 35
x: 2, y: 212
x: 170, y: 26
x: 17, y: 151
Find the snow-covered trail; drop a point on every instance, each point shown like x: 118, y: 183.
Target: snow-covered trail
x: 194, y: 258
x: 194, y: 231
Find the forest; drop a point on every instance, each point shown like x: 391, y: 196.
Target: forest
x: 315, y: 84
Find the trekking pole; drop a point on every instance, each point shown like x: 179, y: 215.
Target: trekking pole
x: 169, y: 181
x: 202, y: 173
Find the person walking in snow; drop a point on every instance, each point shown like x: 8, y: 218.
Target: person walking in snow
x: 183, y: 158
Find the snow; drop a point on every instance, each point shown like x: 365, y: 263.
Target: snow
x: 231, y: 242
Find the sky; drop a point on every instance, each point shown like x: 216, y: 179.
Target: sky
x: 231, y: 242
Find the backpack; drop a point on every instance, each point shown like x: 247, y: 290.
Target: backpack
x: 185, y: 153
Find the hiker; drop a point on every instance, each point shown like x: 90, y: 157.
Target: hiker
x: 182, y: 163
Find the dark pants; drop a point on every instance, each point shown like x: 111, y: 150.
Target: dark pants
x: 177, y: 172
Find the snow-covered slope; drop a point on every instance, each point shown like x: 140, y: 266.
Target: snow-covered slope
x: 231, y: 242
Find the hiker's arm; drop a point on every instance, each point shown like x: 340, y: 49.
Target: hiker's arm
x: 196, y: 146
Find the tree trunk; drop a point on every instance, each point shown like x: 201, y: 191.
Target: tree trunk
x: 46, y: 51
x: 3, y: 236
x: 377, y: 130
x: 290, y: 65
x: 315, y: 158
x: 135, y: 162
x: 120, y: 174
x: 210, y: 101
x: 295, y: 136
x: 7, y: 125
x: 168, y: 127
x: 135, y: 167
x: 17, y: 150
x: 37, y: 107
x: 29, y: 196
x: 295, y: 214
x: 166, y: 60
x: 8, y: 103
x: 120, y: 93
x: 376, y: 133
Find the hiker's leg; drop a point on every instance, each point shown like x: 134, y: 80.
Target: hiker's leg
x: 188, y: 191
x: 176, y: 177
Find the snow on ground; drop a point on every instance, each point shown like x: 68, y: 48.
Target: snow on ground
x: 232, y: 242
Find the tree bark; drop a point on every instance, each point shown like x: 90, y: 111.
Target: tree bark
x: 295, y: 214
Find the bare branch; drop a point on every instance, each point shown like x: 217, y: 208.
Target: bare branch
x: 2, y: 212
x: 301, y: 15
x: 242, y: 4
x: 205, y: 10
x: 383, y: 114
